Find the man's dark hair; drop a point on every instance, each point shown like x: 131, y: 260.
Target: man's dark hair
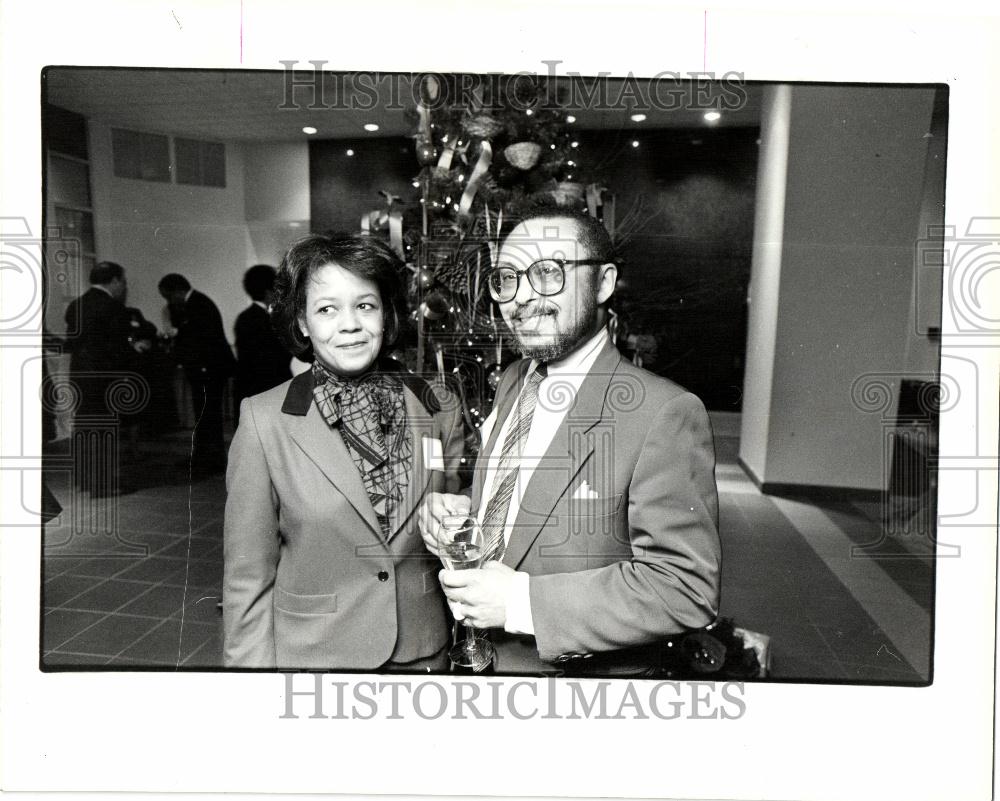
x: 360, y: 254
x: 104, y: 272
x: 258, y: 281
x: 174, y: 282
x: 590, y: 232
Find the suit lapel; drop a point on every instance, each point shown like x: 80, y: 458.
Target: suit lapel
x: 325, y: 448
x: 572, y: 446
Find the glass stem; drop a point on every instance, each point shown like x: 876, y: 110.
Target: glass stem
x: 470, y: 638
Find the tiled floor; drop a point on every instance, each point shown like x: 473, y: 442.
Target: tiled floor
x: 142, y: 589
x: 790, y: 571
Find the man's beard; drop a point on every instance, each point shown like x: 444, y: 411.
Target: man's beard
x: 564, y: 343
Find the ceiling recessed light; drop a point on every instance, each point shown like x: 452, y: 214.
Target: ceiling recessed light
x: 574, y: 144
x: 350, y: 152
x: 371, y: 126
x: 635, y: 143
x: 638, y: 117
x: 570, y: 119
x: 712, y: 116
x: 309, y: 130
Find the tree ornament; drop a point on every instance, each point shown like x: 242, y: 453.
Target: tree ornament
x: 482, y: 125
x: 426, y: 154
x: 493, y: 373
x: 435, y: 306
x: 426, y: 278
x: 523, y: 155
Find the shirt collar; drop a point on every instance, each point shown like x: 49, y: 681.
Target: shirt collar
x: 103, y: 289
x: 262, y: 304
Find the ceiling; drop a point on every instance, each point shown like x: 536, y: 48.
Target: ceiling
x: 246, y: 105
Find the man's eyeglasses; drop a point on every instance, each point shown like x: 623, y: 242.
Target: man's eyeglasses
x: 546, y: 277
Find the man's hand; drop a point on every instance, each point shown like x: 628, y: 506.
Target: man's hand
x: 479, y: 596
x: 436, y: 506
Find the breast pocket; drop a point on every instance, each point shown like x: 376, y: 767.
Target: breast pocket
x: 582, y: 527
x: 595, y: 508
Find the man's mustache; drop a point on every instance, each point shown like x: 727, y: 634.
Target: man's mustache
x: 526, y: 312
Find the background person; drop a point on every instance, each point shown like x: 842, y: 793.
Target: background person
x: 262, y: 361
x: 200, y: 346
x: 98, y: 335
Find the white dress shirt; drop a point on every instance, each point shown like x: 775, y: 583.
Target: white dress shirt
x: 556, y: 395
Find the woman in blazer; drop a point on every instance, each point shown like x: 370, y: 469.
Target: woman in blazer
x: 324, y: 565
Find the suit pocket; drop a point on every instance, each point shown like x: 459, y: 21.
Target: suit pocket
x: 594, y: 508
x: 297, y: 604
x: 582, y: 528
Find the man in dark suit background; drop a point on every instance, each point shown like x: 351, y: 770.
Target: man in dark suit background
x: 98, y: 336
x: 262, y: 362
x: 200, y: 346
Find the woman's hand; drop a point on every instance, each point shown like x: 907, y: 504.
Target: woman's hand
x: 438, y: 505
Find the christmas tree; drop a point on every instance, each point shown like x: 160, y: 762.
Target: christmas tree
x: 482, y: 162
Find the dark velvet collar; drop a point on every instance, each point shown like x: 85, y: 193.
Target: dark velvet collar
x: 299, y: 397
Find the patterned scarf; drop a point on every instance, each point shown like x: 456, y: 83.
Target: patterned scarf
x: 370, y: 413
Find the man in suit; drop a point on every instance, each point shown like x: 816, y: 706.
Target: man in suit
x: 98, y: 336
x: 595, y: 481
x: 200, y: 346
x: 262, y: 362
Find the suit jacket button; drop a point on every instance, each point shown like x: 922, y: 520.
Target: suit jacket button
x: 383, y: 575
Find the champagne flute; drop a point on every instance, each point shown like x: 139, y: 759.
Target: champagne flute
x: 464, y: 551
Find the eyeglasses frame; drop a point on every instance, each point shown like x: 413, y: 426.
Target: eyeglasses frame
x: 562, y: 266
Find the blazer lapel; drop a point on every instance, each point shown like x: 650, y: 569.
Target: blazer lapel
x: 420, y: 424
x: 572, y: 446
x: 326, y: 448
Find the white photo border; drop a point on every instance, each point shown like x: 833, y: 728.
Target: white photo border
x: 161, y: 731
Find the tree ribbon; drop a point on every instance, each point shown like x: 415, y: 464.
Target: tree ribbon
x: 478, y: 173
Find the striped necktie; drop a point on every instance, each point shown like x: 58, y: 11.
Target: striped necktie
x: 495, y: 517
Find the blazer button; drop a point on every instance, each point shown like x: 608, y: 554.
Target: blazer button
x: 383, y: 575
